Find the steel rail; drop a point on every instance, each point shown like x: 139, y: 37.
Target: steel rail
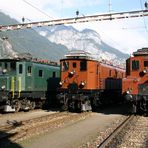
x: 107, y: 140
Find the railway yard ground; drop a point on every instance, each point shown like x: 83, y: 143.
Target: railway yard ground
x: 109, y: 127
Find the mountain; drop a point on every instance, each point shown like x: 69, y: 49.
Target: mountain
x: 87, y: 39
x: 53, y: 43
x: 28, y: 41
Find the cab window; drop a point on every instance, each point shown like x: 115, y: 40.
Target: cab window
x: 128, y: 67
x: 135, y: 65
x: 20, y: 68
x: 13, y: 65
x: 29, y: 70
x: 54, y: 74
x: 145, y: 63
x: 6, y: 65
x: 74, y: 64
x: 65, y: 66
x: 40, y: 73
x: 83, y: 65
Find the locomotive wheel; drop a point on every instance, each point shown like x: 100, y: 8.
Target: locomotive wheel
x: 17, y: 106
x: 65, y: 107
x: 134, y: 109
x: 32, y: 105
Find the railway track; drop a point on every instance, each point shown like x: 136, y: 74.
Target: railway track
x: 107, y: 142
x: 17, y: 131
x: 135, y: 134
x: 131, y: 132
x: 127, y: 132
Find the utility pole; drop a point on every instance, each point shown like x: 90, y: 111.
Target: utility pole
x: 146, y: 5
x: 110, y: 6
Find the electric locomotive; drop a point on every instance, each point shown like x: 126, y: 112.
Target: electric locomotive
x: 87, y: 83
x: 26, y: 83
x: 135, y: 85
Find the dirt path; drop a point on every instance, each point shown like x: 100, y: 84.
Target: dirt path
x: 74, y: 135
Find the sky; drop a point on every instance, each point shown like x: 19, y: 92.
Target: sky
x: 127, y: 35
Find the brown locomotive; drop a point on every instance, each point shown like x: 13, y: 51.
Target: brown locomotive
x: 135, y: 85
x: 87, y: 83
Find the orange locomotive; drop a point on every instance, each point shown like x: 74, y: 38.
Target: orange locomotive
x: 87, y: 83
x: 135, y: 85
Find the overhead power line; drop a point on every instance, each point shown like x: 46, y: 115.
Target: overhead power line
x: 100, y: 17
x: 144, y: 21
x: 37, y: 9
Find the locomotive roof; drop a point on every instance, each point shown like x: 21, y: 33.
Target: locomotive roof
x: 79, y: 54
x: 30, y: 60
x: 140, y: 52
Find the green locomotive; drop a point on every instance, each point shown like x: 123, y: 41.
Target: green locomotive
x: 26, y: 84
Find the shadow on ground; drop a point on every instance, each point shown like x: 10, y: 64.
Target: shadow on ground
x: 5, y: 141
x: 123, y: 109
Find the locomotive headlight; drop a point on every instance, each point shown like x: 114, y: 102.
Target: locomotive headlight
x: 4, y: 71
x: 127, y: 91
x: 3, y: 87
x: 82, y: 84
x: 71, y: 73
x: 145, y: 71
x: 60, y: 83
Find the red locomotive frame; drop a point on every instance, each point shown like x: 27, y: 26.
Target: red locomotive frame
x: 87, y: 83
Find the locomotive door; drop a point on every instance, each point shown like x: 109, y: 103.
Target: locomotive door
x: 20, y: 78
x: 29, y: 77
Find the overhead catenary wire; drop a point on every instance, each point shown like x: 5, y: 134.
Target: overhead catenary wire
x: 41, y: 11
x: 144, y: 21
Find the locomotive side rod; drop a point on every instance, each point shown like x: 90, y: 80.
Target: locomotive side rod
x: 100, y: 17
